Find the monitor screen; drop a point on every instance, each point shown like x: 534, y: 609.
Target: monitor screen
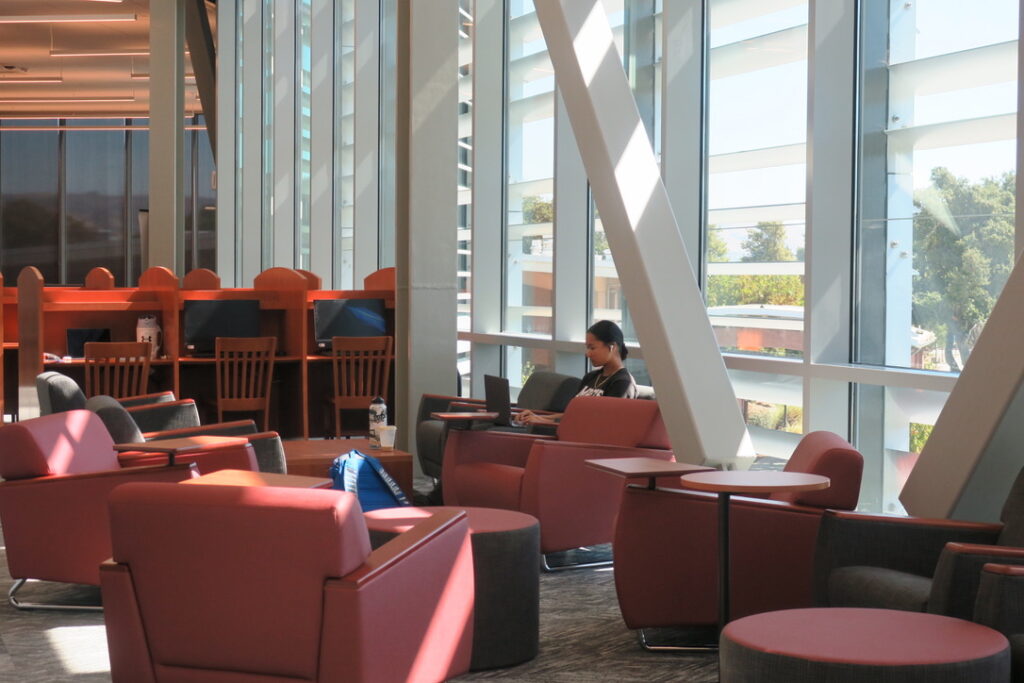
x: 205, y: 320
x: 347, y: 318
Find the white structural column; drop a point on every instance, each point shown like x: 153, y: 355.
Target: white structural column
x: 366, y: 134
x: 571, y: 270
x: 830, y: 175
x: 321, y: 159
x: 426, y: 203
x: 227, y: 227
x: 250, y: 153
x: 167, y: 136
x: 488, y: 185
x: 697, y: 400
x: 285, y: 138
x: 974, y: 453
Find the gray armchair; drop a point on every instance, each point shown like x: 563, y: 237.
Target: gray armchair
x: 542, y: 391
x: 181, y: 419
x: 59, y: 393
x: 1000, y: 605
x: 915, y: 564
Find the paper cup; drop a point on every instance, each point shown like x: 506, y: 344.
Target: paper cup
x: 386, y: 434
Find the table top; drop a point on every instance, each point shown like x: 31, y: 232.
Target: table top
x: 644, y: 467
x: 296, y: 449
x: 246, y: 478
x: 182, y: 445
x: 762, y: 481
x: 465, y: 417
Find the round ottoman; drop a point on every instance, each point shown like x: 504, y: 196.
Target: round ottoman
x: 854, y: 645
x: 506, y: 565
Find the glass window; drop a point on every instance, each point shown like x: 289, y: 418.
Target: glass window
x: 344, y: 135
x: 464, y: 232
x: 530, y: 166
x: 205, y: 203
x: 303, y: 132
x: 95, y: 199
x: 138, y: 140
x: 757, y: 130
x: 29, y: 199
x: 938, y: 162
x: 521, y: 362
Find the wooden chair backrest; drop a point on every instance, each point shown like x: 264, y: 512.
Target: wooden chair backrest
x: 362, y: 368
x: 245, y: 368
x: 118, y: 369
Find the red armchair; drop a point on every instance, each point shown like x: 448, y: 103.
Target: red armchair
x: 58, y: 471
x: 666, y: 562
x: 236, y: 583
x: 547, y: 476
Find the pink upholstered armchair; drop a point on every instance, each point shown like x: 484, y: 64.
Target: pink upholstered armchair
x: 666, y: 566
x: 547, y: 476
x: 58, y: 471
x: 218, y: 583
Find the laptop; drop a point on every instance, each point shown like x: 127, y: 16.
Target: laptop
x: 498, y: 399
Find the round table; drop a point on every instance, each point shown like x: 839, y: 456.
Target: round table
x: 729, y: 482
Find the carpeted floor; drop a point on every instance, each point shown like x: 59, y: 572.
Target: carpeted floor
x: 582, y: 638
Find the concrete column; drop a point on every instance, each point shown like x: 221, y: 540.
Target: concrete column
x: 167, y: 136
x: 427, y: 143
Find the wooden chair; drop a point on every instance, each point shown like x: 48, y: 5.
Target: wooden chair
x: 245, y: 367
x: 362, y: 367
x: 118, y: 369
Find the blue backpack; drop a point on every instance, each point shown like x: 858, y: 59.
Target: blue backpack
x: 364, y: 476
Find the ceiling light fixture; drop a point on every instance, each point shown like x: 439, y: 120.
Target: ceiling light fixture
x: 100, y: 52
x: 65, y: 18
x: 31, y: 79
x: 59, y: 100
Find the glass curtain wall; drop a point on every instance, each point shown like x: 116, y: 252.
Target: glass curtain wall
x: 757, y: 130
x: 530, y: 137
x: 344, y: 135
x: 464, y: 229
x: 935, y: 240
x: 76, y: 206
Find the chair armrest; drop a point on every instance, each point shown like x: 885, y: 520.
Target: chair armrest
x: 958, y: 575
x: 418, y: 588
x: 147, y: 399
x: 908, y: 544
x: 159, y: 417
x: 1000, y: 596
x: 460, y: 406
x: 233, y: 428
x: 67, y: 512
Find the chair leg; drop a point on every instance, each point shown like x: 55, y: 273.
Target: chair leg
x: 582, y: 563
x: 337, y: 421
x: 17, y: 604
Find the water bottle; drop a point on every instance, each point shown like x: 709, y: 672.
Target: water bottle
x: 378, y: 418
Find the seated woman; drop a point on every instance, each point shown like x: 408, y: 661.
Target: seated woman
x: 606, y: 350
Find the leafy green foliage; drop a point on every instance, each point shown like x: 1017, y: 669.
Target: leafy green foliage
x: 537, y: 210
x: 963, y: 254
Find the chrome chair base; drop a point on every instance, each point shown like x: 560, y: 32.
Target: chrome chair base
x: 575, y: 561
x: 688, y: 644
x: 18, y: 604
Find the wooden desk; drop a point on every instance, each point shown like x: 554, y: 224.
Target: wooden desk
x: 313, y: 457
x: 183, y: 446
x: 727, y: 483
x: 465, y: 418
x: 646, y: 468
x: 246, y: 478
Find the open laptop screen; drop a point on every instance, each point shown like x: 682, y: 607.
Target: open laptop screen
x: 496, y: 395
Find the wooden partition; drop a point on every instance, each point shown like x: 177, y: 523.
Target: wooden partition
x: 286, y: 305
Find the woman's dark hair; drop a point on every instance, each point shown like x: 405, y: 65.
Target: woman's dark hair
x: 609, y: 333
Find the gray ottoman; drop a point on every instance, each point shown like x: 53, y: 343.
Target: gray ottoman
x: 506, y: 565
x: 853, y: 645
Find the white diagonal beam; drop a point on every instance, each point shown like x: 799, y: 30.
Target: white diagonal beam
x: 975, y: 449
x: 694, y: 391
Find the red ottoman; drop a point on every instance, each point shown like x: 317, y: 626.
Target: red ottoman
x: 506, y: 568
x: 853, y: 645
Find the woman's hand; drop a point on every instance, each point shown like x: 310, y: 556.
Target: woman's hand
x: 528, y: 417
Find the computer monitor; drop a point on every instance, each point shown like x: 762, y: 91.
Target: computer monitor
x: 205, y: 320
x: 78, y: 336
x: 347, y: 318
